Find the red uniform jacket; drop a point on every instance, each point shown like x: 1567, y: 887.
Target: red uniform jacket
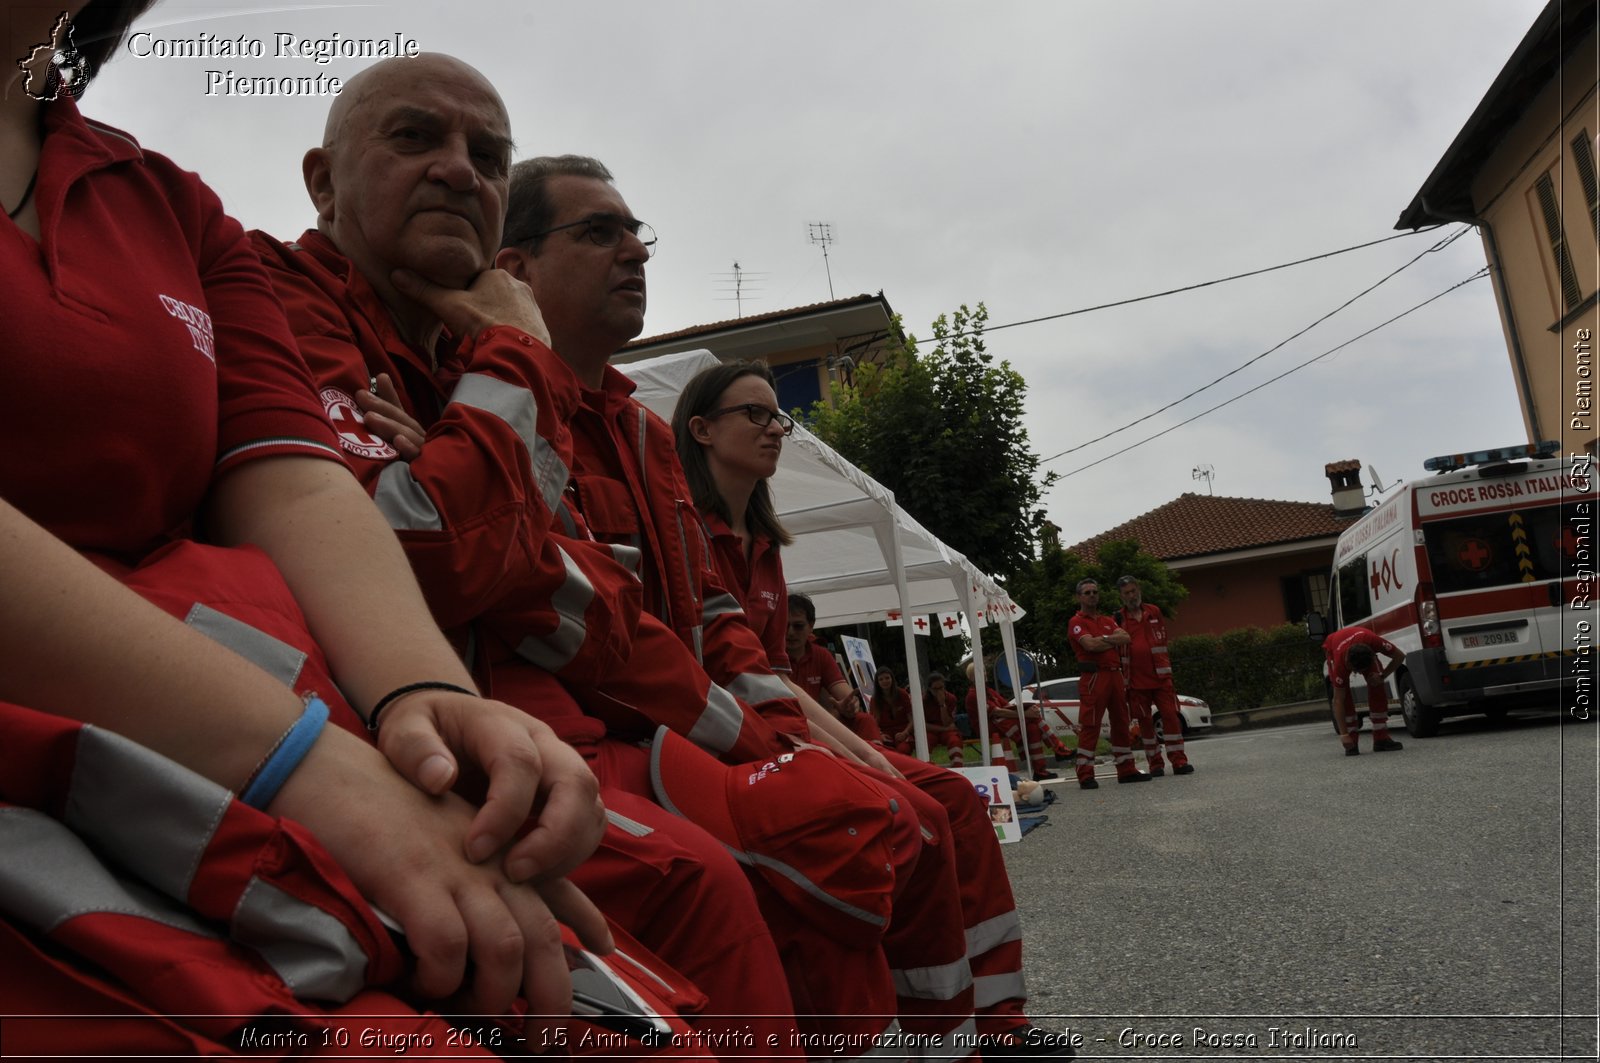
x: 1145, y: 662
x: 1102, y: 625
x: 758, y: 584
x: 619, y: 448
x: 893, y: 711
x: 1337, y: 648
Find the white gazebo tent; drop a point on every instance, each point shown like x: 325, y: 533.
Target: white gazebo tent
x: 858, y: 554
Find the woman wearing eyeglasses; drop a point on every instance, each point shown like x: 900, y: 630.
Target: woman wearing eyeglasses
x: 730, y: 434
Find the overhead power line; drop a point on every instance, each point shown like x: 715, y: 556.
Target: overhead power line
x: 1440, y: 246
x: 1189, y: 287
x: 1484, y: 272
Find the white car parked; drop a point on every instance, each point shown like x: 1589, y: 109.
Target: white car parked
x: 1058, y: 698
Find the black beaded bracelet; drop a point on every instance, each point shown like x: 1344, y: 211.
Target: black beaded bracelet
x: 410, y: 688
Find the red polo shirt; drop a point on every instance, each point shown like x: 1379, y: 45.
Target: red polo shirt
x: 145, y: 352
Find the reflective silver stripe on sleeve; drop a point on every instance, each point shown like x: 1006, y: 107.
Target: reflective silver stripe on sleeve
x: 50, y: 875
x: 698, y: 634
x: 403, y: 502
x: 275, y: 657
x: 944, y: 982
x: 515, y: 405
x: 177, y: 809
x: 569, y: 527
x: 628, y: 826
x: 629, y: 557
x: 549, y: 472
x: 313, y: 952
x: 756, y: 687
x: 953, y: 1046
x: 720, y: 722
x: 571, y: 601
x: 991, y: 989
x: 722, y: 605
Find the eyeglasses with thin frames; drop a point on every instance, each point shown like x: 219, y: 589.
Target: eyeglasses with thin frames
x: 605, y: 229
x: 759, y: 415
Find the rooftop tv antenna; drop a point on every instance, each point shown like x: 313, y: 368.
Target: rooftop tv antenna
x: 741, y: 283
x: 1206, y: 473
x: 821, y: 232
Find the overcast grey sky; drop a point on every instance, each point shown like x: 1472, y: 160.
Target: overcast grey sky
x: 1039, y: 157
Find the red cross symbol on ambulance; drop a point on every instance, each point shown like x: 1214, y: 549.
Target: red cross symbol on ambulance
x: 1474, y: 555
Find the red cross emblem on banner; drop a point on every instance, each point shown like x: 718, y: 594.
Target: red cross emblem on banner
x: 949, y: 623
x: 894, y: 614
x: 1474, y: 555
x: 921, y: 623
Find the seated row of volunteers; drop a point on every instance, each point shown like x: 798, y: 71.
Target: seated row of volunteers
x: 360, y: 656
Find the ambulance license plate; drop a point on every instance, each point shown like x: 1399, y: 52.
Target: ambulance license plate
x: 1488, y: 638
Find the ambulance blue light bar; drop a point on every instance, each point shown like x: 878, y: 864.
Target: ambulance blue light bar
x: 1449, y: 462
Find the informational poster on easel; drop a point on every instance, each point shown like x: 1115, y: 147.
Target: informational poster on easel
x: 858, y: 664
x: 993, y: 785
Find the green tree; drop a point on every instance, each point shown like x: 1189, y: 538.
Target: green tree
x: 943, y: 431
x: 1047, y: 589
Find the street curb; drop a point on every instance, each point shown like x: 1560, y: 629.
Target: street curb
x: 1269, y: 716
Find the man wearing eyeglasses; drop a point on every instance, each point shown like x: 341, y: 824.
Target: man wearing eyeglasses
x: 394, y: 292
x: 588, y: 278
x: 1097, y: 642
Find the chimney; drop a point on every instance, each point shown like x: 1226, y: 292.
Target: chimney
x: 1345, y: 478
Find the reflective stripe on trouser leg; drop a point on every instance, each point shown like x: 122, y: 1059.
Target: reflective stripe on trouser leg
x: 1378, y: 708
x: 992, y: 930
x: 1116, y: 708
x: 926, y: 942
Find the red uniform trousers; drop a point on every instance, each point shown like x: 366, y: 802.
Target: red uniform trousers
x: 1164, y: 701
x: 663, y: 879
x: 988, y: 908
x: 1377, y: 707
x: 1039, y: 737
x: 955, y: 746
x: 925, y: 945
x: 836, y: 986
x: 1101, y: 693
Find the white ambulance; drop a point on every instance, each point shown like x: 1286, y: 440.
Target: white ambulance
x: 1474, y: 572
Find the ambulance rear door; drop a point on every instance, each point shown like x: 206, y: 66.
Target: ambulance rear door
x: 1494, y: 549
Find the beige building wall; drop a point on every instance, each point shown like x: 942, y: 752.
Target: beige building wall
x: 1547, y: 289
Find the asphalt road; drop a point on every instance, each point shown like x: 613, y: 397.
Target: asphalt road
x: 1439, y: 902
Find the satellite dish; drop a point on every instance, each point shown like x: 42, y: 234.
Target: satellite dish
x: 1377, y: 481
x: 1002, y: 671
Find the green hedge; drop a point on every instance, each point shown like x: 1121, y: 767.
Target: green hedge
x: 1248, y: 667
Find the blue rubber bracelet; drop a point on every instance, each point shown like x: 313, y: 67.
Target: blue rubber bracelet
x: 290, y: 751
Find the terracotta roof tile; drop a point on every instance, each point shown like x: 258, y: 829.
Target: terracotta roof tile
x: 754, y: 319
x: 1347, y: 465
x: 1193, y: 525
